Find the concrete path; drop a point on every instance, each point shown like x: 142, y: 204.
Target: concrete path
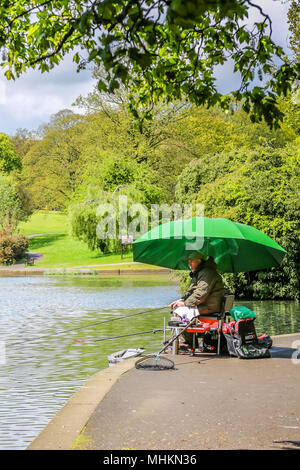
x: 22, y: 266
x: 206, y: 403
x: 30, y: 254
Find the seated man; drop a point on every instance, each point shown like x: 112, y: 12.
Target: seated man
x: 205, y: 291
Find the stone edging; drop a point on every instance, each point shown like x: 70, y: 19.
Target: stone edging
x: 49, y: 272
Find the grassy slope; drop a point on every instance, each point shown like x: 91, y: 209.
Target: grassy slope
x: 60, y: 250
x: 45, y: 222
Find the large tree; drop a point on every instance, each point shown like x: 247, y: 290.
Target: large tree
x: 53, y: 166
x: 294, y: 27
x: 160, y: 49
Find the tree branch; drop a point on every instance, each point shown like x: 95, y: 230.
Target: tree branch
x: 29, y: 11
x: 59, y: 47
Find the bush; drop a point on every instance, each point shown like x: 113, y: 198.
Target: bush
x: 262, y: 190
x: 13, y: 246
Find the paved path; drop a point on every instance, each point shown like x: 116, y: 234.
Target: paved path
x: 208, y: 402
x: 30, y: 254
x: 22, y: 266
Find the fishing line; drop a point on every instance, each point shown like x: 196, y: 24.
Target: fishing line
x: 87, y: 326
x: 129, y: 334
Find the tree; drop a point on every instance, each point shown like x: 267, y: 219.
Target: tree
x: 160, y: 49
x: 112, y: 132
x: 294, y: 41
x: 53, y: 165
x: 9, y: 160
x: 10, y: 204
x: 85, y: 217
x: 294, y: 27
x: 23, y: 140
x: 259, y: 188
x: 137, y: 141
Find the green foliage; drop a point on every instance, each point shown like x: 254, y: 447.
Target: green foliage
x: 9, y: 200
x: 294, y: 27
x: 241, y: 170
x: 9, y: 160
x: 53, y: 164
x: 85, y: 217
x: 258, y: 188
x: 164, y: 50
x: 115, y: 173
x: 13, y: 245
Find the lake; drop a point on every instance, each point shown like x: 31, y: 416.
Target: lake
x: 45, y: 364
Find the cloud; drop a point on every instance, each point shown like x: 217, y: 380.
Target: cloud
x: 31, y: 99
x: 2, y: 92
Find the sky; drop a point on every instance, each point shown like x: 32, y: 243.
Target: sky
x: 29, y: 101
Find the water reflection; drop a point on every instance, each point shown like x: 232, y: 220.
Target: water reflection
x: 39, y: 376
x: 274, y: 317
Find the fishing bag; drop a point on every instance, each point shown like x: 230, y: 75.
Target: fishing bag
x: 209, y: 342
x: 265, y: 340
x: 242, y: 341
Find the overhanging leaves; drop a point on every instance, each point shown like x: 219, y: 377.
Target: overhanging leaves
x: 160, y: 50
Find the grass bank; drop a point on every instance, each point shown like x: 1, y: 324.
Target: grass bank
x: 61, y: 250
x: 46, y: 222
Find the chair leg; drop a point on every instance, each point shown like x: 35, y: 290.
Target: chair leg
x: 194, y: 343
x: 219, y: 339
x: 220, y: 323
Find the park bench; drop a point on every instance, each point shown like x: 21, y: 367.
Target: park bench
x: 29, y: 261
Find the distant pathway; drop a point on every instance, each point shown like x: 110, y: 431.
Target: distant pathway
x: 37, y: 235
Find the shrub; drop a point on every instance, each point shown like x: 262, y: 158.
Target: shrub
x: 13, y: 246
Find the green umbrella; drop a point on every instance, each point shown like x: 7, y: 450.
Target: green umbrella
x: 235, y: 247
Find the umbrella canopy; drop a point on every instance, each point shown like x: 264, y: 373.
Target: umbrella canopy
x: 235, y: 247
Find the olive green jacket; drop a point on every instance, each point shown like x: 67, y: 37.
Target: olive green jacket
x: 206, y: 289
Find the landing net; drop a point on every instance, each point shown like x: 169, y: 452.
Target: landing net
x: 154, y: 362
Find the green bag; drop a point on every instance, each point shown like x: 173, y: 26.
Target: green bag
x: 238, y: 313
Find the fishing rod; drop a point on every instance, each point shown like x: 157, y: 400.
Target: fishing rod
x: 123, y: 336
x: 88, y: 326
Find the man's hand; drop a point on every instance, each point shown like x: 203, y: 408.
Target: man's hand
x: 177, y: 303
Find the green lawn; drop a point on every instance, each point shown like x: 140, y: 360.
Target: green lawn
x: 45, y: 222
x: 60, y: 250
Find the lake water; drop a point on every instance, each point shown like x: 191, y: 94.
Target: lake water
x: 41, y: 372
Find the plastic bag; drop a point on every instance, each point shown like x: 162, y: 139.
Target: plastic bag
x: 238, y: 313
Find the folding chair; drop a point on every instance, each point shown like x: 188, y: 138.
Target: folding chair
x: 213, y: 322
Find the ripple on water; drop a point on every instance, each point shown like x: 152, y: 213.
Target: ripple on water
x: 40, y: 376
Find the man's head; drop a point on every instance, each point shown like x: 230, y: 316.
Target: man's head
x: 194, y: 260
